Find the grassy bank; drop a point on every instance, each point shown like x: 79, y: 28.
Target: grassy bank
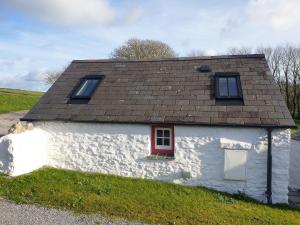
x: 294, y: 131
x: 141, y: 200
x: 14, y: 100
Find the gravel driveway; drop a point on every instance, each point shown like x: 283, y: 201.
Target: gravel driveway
x: 14, y: 214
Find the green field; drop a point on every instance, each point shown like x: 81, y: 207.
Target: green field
x: 14, y: 100
x: 140, y: 199
x: 298, y: 125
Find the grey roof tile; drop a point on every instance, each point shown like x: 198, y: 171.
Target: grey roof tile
x: 167, y: 91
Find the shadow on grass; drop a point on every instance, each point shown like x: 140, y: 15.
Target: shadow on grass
x: 240, y: 196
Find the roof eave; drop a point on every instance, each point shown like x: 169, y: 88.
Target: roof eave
x: 266, y: 126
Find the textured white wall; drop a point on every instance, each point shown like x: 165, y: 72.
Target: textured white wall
x: 24, y: 152
x: 280, y: 164
x: 6, y: 156
x: 123, y: 149
x: 295, y: 164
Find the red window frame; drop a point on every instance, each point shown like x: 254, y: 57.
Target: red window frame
x: 158, y: 151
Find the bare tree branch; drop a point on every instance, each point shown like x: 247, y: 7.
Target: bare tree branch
x: 273, y: 57
x: 51, y: 77
x: 239, y: 51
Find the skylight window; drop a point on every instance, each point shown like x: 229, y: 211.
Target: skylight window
x: 228, y: 86
x: 86, y: 87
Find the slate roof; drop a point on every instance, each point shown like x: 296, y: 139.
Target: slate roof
x: 168, y: 91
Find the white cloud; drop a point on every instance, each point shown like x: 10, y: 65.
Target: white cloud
x: 35, y: 76
x: 281, y: 15
x: 14, y: 74
x: 67, y: 12
x: 134, y: 15
x: 213, y: 28
x: 232, y: 24
x: 210, y: 52
x: 23, y: 82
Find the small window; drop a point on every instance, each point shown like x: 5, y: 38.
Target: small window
x: 162, y: 140
x: 228, y: 86
x: 85, y: 88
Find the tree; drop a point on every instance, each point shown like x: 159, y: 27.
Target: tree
x: 295, y: 72
x: 287, y: 58
x: 239, y: 51
x: 274, y: 59
x: 284, y: 63
x: 267, y: 51
x: 52, y: 76
x: 143, y: 49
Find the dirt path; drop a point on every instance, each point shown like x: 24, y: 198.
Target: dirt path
x: 7, y: 119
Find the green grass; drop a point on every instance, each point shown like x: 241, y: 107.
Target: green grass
x: 14, y: 100
x: 140, y: 200
x: 297, y: 122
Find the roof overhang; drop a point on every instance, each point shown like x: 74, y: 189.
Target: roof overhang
x: 265, y: 126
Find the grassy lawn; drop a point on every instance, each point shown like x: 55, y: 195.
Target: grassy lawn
x: 298, y: 125
x: 13, y: 100
x: 141, y: 200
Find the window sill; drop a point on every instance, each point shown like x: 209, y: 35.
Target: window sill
x: 161, y: 157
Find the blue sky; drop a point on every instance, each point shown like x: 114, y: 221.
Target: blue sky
x: 38, y: 36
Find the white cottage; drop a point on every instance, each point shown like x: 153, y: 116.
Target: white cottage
x: 218, y: 122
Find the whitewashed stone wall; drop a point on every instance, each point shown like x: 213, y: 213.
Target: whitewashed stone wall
x: 295, y: 164
x: 24, y: 152
x: 280, y: 165
x: 123, y: 149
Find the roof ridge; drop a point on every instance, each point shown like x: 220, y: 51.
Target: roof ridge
x: 172, y: 59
